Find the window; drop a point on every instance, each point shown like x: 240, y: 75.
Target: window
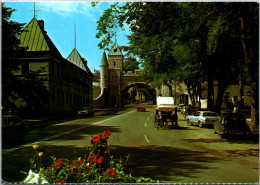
x: 25, y: 68
x: 114, y: 64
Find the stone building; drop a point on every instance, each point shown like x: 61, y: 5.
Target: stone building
x: 68, y: 82
x: 115, y: 82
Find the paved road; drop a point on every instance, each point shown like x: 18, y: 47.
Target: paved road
x: 188, y: 154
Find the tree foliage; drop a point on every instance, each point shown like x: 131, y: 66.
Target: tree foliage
x: 190, y: 42
x: 28, y: 89
x: 10, y: 53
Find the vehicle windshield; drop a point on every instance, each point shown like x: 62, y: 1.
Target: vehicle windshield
x: 209, y: 114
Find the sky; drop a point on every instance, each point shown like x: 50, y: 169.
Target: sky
x: 59, y: 20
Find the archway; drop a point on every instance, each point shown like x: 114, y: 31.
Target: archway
x: 184, y: 99
x: 138, y: 92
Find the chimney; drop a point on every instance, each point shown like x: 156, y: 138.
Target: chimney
x: 85, y: 61
x: 41, y: 23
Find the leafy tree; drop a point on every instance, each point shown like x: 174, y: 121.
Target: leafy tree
x: 10, y: 53
x: 30, y: 88
x: 130, y: 64
x: 190, y: 42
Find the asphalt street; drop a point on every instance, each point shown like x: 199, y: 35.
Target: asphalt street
x: 187, y: 154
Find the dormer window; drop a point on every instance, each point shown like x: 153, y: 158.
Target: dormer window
x: 115, y: 49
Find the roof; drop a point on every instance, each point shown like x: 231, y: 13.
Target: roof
x: 115, y: 50
x: 77, y: 60
x: 104, y: 60
x: 35, y: 38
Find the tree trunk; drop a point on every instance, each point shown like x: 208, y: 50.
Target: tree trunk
x: 241, y: 90
x: 170, y: 88
x: 220, y: 94
x: 253, y: 67
x: 210, y: 89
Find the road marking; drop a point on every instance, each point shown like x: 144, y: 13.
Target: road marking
x: 148, y: 118
x: 145, y: 125
x: 146, y: 139
x: 64, y: 133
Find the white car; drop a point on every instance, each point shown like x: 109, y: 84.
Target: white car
x: 202, y: 118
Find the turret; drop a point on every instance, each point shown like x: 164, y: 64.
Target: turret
x: 104, y: 78
x: 115, y: 57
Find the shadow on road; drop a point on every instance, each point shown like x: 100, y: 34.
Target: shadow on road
x: 235, y: 140
x: 250, y: 152
x: 167, y: 164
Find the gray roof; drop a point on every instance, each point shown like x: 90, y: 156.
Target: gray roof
x: 76, y: 59
x: 35, y: 38
x: 104, y: 60
x: 115, y: 50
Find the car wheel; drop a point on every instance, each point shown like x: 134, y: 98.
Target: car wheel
x: 189, y: 123
x: 200, y: 124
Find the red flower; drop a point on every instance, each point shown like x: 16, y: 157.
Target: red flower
x: 89, y: 157
x: 60, y: 181
x: 111, y: 172
x: 76, y: 163
x: 80, y: 161
x: 88, y: 166
x: 95, y: 158
x: 58, y: 164
x: 100, y: 160
x: 96, y: 139
x: 106, y: 133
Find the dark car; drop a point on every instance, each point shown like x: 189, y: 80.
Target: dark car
x: 86, y: 111
x: 232, y: 124
x: 14, y: 128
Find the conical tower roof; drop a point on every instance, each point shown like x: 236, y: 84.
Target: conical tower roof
x: 104, y: 60
x: 115, y: 50
x: 35, y: 38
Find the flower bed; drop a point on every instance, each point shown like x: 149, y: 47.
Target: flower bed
x: 98, y: 166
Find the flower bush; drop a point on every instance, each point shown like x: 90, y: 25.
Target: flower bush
x: 98, y: 166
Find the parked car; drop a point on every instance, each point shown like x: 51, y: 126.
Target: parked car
x: 14, y: 128
x: 141, y: 107
x: 231, y: 124
x: 202, y: 118
x: 85, y: 112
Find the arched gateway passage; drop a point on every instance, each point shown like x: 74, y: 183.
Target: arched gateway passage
x: 138, y: 92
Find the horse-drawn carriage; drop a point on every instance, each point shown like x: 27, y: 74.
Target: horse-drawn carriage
x: 165, y: 113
